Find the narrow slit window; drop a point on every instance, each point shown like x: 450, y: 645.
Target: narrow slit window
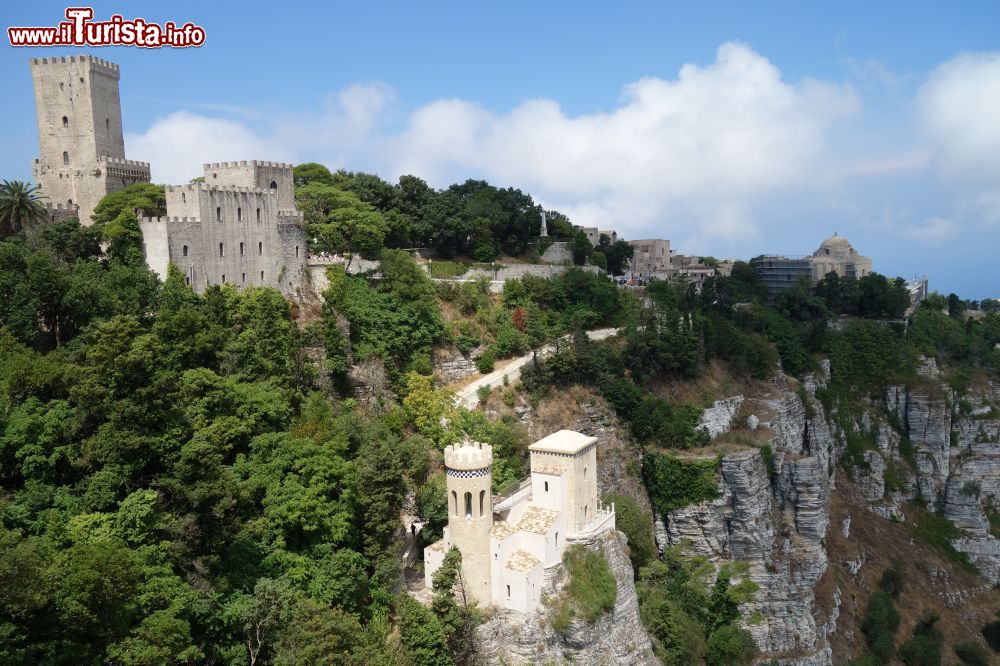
x: 244, y: 277
x: 241, y: 250
x: 65, y: 157
x: 65, y: 121
x: 223, y: 278
x: 260, y: 248
x: 454, y: 497
x: 222, y: 251
x: 262, y: 276
x: 239, y: 214
x: 468, y: 505
x: 258, y: 216
x: 184, y: 251
x: 482, y: 502
x: 218, y: 213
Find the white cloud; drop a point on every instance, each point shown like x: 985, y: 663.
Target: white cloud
x: 178, y: 145
x: 933, y: 230
x: 686, y: 157
x: 959, y: 108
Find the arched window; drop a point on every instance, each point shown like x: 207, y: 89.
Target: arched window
x: 221, y: 251
x: 241, y: 250
x: 65, y: 121
x: 274, y: 188
x: 260, y: 248
x: 482, y: 502
x: 184, y: 251
x: 65, y: 157
x: 258, y: 216
x: 218, y: 213
x: 454, y: 495
x: 468, y: 505
x: 239, y: 214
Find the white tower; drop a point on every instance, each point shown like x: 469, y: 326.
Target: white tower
x: 545, y: 229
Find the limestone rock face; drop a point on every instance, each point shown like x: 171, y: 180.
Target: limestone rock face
x: 617, y: 638
x: 775, y: 521
x: 454, y: 366
x: 718, y: 419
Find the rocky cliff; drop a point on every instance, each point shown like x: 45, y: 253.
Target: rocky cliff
x: 508, y: 637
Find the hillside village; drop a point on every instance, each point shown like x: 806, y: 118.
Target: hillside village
x: 284, y: 414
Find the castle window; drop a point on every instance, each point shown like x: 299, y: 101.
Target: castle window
x: 187, y: 281
x: 508, y: 591
x: 296, y: 251
x: 274, y: 188
x: 468, y: 505
x: 244, y: 277
x: 184, y: 197
x: 262, y: 276
x: 218, y: 213
x: 223, y: 278
x: 65, y: 157
x: 482, y: 502
x: 81, y: 79
x: 184, y: 251
x: 258, y: 216
x: 239, y: 214
x: 557, y: 539
x: 107, y: 124
x: 65, y: 121
x: 454, y: 497
x: 241, y: 250
x: 222, y: 252
x: 61, y: 85
x: 215, y: 175
x: 546, y: 486
x: 69, y: 201
x: 260, y: 248
x: 585, y: 472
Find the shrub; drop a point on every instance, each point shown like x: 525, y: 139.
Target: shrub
x: 937, y: 532
x: 924, y: 649
x: 972, y: 654
x: 892, y: 580
x: 674, y: 483
x: 730, y: 646
x: 485, y: 361
x: 509, y: 397
x: 637, y: 525
x: 991, y: 632
x: 879, y: 625
x: 592, y: 587
x: 483, y: 392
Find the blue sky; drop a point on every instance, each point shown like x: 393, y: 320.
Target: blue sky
x: 730, y: 128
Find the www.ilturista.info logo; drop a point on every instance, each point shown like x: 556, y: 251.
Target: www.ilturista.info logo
x: 80, y: 30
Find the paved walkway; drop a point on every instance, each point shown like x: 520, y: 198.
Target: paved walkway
x: 469, y: 395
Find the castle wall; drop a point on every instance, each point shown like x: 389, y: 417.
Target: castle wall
x: 256, y: 174
x: 223, y: 239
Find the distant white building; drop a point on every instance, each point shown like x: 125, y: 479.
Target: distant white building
x: 507, y: 547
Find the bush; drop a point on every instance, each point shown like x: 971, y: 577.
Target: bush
x: 485, y: 361
x: 637, y: 525
x: 938, y: 532
x: 892, y: 580
x: 729, y: 646
x: 592, y: 587
x: 924, y: 649
x: 674, y: 483
x: 879, y: 625
x: 972, y: 654
x: 991, y: 632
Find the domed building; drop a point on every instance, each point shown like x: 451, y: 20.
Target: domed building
x: 835, y: 255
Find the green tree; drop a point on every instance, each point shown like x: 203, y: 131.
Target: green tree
x: 20, y: 207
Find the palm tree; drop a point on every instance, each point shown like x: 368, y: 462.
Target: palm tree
x: 20, y: 207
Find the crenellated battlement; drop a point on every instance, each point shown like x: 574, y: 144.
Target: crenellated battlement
x: 205, y: 187
x: 246, y: 163
x: 62, y: 60
x: 166, y: 219
x: 58, y: 206
x: 468, y: 455
x: 117, y: 161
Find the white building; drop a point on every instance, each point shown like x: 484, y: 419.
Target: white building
x: 507, y: 547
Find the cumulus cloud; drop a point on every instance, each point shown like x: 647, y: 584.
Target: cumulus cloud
x: 178, y: 145
x: 960, y: 112
x: 686, y: 157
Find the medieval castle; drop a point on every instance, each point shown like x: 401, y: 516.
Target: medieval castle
x: 240, y: 226
x: 507, y: 547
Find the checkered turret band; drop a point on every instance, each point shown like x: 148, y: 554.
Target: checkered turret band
x: 468, y: 473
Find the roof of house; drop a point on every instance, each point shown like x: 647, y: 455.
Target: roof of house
x: 537, y: 520
x: 522, y: 560
x: 563, y: 441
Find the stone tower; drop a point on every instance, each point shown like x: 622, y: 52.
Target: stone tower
x: 469, y: 473
x: 80, y: 139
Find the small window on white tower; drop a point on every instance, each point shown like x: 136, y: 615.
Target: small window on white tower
x: 239, y: 214
x: 454, y: 495
x: 557, y: 539
x: 468, y: 505
x: 65, y: 121
x: 222, y: 252
x: 274, y: 187
x: 65, y: 157
x: 184, y: 251
x: 546, y: 486
x: 218, y: 213
x: 241, y: 250
x: 258, y: 216
x: 482, y: 502
x: 260, y: 248
x: 508, y: 591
